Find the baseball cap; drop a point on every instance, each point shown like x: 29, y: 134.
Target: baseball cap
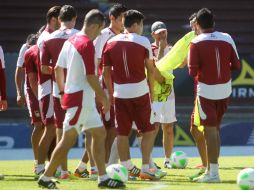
x: 158, y: 27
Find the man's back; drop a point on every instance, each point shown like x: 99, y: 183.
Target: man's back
x: 77, y: 56
x: 215, y: 55
x: 211, y: 59
x: 54, y: 44
x: 127, y: 53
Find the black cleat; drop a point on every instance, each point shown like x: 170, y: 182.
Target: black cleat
x: 134, y: 172
x: 112, y: 184
x: 47, y: 184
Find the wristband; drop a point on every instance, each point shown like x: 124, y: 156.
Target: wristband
x: 61, y: 93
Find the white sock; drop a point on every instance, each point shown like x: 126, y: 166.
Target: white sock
x: 59, y: 169
x: 82, y: 166
x: 214, y: 169
x: 145, y: 167
x: 128, y: 164
x: 103, y: 178
x: 166, y: 159
x: 114, y: 156
x: 40, y: 167
x: 151, y: 164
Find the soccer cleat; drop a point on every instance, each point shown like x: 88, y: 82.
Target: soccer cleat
x: 83, y: 174
x: 167, y: 165
x: 134, y: 172
x: 206, y: 178
x: 158, y: 167
x: 111, y: 183
x: 65, y: 176
x: 200, y: 172
x: 58, y: 174
x: 160, y: 173
x: 93, y: 175
x: 47, y: 184
x: 150, y: 175
x: 37, y: 175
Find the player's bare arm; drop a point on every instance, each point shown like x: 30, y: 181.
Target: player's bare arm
x: 150, y: 74
x: 46, y: 70
x: 59, y: 75
x: 108, y: 81
x: 157, y: 75
x: 3, y: 105
x: 162, y: 45
x: 33, y: 81
x: 19, y: 79
x: 93, y: 80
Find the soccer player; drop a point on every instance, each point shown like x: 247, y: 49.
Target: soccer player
x: 20, y: 74
x: 27, y: 57
x: 3, y: 100
x: 77, y: 97
x: 164, y: 111
x: 45, y: 92
x: 129, y: 54
x: 116, y: 26
x: 212, y: 57
x: 50, y: 52
x: 196, y: 133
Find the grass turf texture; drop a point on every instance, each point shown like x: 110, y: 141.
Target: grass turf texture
x: 18, y: 175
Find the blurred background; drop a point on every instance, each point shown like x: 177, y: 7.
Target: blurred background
x: 20, y: 18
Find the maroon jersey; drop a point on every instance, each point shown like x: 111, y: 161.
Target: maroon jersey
x: 31, y: 63
x: 51, y: 50
x: 126, y: 53
x: 212, y: 56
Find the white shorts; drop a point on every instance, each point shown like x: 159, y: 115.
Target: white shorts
x: 82, y: 118
x: 164, y: 112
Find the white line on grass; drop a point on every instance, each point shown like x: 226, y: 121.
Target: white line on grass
x: 155, y: 185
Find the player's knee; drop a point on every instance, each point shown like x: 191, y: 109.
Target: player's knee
x: 99, y: 134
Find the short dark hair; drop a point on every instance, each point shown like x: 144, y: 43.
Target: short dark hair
x: 117, y: 10
x: 31, y: 39
x: 53, y: 12
x: 94, y: 16
x: 131, y: 17
x: 67, y: 13
x: 205, y: 18
x: 193, y: 16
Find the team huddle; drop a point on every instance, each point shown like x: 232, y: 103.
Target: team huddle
x: 102, y: 81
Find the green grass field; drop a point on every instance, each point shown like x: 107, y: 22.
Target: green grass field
x: 19, y: 176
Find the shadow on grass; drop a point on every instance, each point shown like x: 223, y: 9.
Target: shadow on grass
x: 233, y: 168
x: 19, y: 178
x: 228, y: 181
